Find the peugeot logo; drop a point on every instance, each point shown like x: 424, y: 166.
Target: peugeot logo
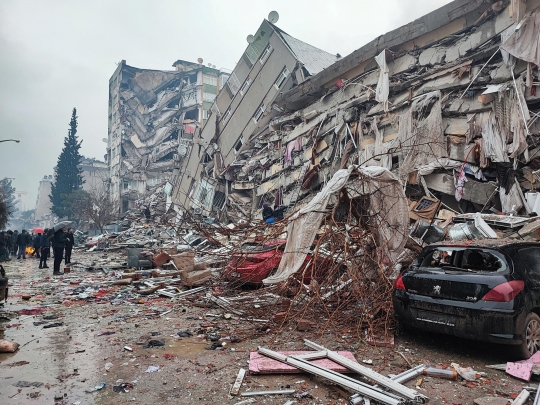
x: 436, y: 289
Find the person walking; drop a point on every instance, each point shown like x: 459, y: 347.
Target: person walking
x: 23, y: 239
x: 14, y: 245
x: 36, y: 244
x: 45, y: 246
x: 4, y: 241
x: 70, y: 241
x: 10, y: 241
x: 58, y: 243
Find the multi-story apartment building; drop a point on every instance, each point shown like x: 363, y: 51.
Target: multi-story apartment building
x: 153, y: 114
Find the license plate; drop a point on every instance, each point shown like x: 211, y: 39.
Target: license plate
x: 436, y: 318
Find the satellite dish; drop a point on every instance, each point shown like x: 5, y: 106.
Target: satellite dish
x: 105, y: 140
x: 273, y: 17
x: 250, y: 39
x: 200, y: 60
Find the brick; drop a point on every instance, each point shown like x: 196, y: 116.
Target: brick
x: 303, y: 325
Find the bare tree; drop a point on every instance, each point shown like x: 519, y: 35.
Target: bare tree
x: 93, y: 207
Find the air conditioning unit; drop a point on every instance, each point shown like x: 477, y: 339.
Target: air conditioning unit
x: 176, y: 156
x: 197, y: 210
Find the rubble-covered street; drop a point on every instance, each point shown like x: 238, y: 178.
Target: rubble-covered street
x: 88, y: 337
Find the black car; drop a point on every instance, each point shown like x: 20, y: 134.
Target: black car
x: 486, y: 290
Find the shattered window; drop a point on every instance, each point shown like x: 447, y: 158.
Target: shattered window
x: 259, y: 112
x: 205, y: 193
x: 227, y: 115
x: 245, y: 86
x: 266, y: 53
x: 222, y: 80
x: 211, y: 80
x: 282, y: 77
x: 464, y: 259
x: 219, y: 200
x: 233, y: 83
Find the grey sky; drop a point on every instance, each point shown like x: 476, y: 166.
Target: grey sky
x: 59, y: 54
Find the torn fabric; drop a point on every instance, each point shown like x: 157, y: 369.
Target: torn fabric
x: 388, y: 207
x: 494, y: 146
x: 421, y: 139
x: 291, y: 147
x: 525, y: 42
x: 383, y: 86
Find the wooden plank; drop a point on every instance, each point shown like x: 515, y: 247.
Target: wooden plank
x: 235, y: 389
x: 474, y: 191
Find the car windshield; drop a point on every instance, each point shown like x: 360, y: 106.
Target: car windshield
x: 464, y: 259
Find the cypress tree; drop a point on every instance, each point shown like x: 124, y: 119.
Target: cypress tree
x: 67, y: 174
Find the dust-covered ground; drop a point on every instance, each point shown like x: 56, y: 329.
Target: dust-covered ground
x: 97, y: 336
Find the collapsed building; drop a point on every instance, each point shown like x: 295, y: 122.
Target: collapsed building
x: 153, y: 115
x: 272, y: 63
x: 448, y: 103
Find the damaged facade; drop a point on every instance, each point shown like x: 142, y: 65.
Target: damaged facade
x: 153, y: 115
x: 218, y: 166
x: 448, y: 103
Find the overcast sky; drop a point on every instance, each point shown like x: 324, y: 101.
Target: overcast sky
x: 60, y: 54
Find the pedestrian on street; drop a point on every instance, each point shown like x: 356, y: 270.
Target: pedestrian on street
x: 4, y: 240
x: 70, y: 241
x: 10, y: 241
x: 45, y: 246
x: 14, y: 245
x: 36, y: 244
x: 59, y: 244
x: 23, y: 240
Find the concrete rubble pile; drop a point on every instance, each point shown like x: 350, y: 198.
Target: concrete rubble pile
x: 451, y: 110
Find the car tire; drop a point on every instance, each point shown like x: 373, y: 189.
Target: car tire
x: 531, y: 337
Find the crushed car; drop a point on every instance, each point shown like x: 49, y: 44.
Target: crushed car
x: 487, y: 290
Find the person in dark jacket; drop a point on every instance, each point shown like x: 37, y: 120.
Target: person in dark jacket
x: 59, y: 244
x: 4, y: 241
x: 14, y: 245
x: 10, y: 242
x: 36, y: 243
x: 267, y: 212
x: 23, y: 240
x: 70, y: 241
x: 45, y: 246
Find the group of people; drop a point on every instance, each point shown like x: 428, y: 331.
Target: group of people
x: 15, y: 244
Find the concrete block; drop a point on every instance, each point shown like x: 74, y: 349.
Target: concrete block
x: 432, y: 56
x: 195, y: 278
x: 402, y: 64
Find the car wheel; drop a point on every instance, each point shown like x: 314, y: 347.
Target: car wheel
x: 531, y: 336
